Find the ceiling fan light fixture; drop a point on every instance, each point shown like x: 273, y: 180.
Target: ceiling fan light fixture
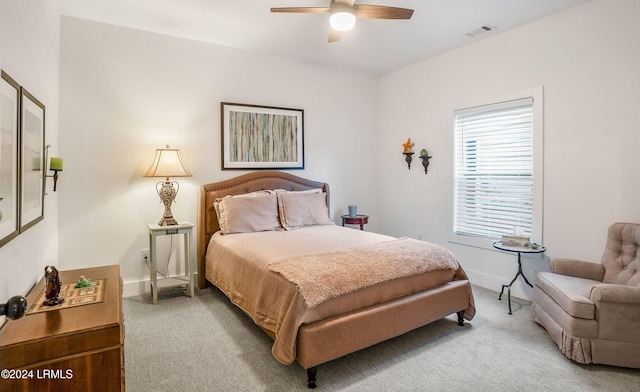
x: 342, y: 18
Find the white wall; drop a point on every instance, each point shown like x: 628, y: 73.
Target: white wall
x: 29, y: 53
x: 587, y: 59
x: 126, y: 92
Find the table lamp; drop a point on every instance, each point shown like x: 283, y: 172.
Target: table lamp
x: 167, y: 163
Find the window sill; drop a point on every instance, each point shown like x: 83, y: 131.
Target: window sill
x: 484, y: 243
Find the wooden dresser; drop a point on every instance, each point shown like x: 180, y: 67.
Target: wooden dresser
x: 75, y: 349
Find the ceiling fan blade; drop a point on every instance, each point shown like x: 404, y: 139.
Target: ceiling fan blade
x: 382, y: 12
x: 350, y: 3
x: 334, y: 35
x: 303, y: 10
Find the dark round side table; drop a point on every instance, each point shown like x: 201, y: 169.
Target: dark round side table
x: 519, y: 250
x: 355, y: 220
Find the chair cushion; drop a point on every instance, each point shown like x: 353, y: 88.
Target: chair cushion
x: 571, y: 293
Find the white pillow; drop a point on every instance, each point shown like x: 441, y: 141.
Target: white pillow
x: 251, y: 212
x: 303, y: 209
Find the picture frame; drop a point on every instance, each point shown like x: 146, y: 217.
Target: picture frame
x: 32, y: 162
x: 261, y: 137
x: 9, y: 158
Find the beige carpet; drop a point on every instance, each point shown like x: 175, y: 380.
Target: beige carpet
x: 207, y: 344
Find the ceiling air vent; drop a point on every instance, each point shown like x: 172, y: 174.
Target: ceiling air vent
x: 481, y: 30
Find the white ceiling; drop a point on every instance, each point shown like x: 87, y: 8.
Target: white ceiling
x: 373, y: 46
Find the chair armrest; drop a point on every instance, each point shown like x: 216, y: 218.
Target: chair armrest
x: 577, y: 268
x: 618, y: 293
x: 617, y: 312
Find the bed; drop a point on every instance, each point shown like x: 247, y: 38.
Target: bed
x: 321, y: 291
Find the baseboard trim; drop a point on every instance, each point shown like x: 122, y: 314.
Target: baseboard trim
x: 139, y: 287
x: 519, y: 289
x: 134, y: 288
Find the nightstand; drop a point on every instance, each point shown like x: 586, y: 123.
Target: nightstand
x: 186, y: 229
x: 355, y: 220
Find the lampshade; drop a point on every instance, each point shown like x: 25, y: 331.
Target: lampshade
x: 167, y: 163
x: 342, y: 17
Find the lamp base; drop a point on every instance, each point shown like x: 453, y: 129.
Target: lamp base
x: 167, y: 221
x: 167, y: 192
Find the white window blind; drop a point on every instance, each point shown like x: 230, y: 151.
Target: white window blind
x: 494, y: 169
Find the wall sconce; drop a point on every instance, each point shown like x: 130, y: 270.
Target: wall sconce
x: 167, y: 163
x: 56, y: 165
x: 407, y: 152
x: 424, y: 155
x: 15, y: 308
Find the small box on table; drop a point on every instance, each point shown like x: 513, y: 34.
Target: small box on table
x: 514, y: 240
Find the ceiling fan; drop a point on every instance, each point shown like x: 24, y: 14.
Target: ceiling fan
x: 344, y: 13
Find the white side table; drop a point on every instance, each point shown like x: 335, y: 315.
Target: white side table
x: 155, y: 230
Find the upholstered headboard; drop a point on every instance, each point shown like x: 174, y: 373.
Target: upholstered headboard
x: 246, y: 183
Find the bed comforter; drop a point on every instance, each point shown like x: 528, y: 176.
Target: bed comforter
x: 284, y: 279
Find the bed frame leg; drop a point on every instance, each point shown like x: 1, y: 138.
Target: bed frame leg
x: 460, y: 319
x: 311, y: 377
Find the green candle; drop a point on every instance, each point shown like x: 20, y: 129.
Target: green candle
x: 56, y: 164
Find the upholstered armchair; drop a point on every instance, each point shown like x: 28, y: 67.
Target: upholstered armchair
x: 591, y: 310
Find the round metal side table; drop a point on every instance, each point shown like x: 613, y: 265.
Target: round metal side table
x: 519, y: 250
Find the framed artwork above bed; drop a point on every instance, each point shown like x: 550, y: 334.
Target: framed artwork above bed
x: 261, y: 137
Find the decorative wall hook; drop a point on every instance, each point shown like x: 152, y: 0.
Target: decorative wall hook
x: 408, y: 158
x: 424, y: 155
x: 407, y: 152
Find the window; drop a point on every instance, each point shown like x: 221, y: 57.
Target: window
x: 498, y: 168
